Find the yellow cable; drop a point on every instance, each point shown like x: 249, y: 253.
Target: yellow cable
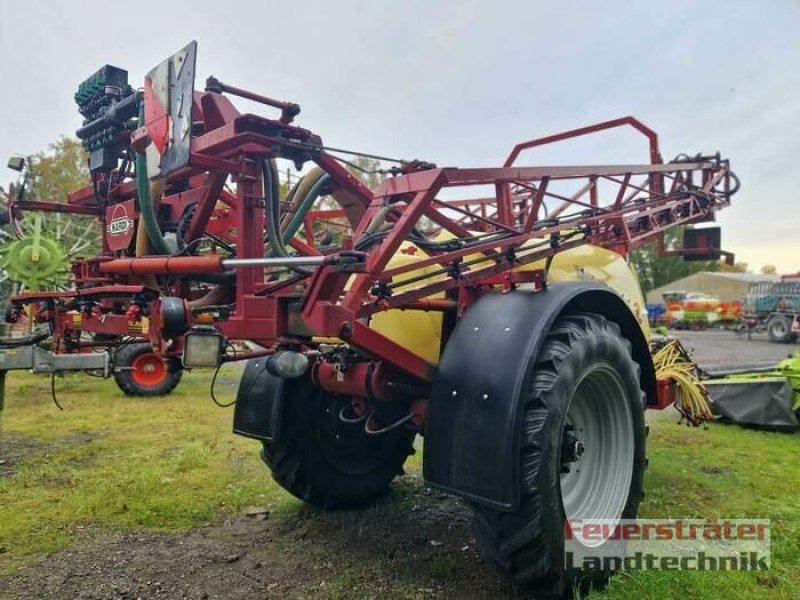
x: 672, y: 363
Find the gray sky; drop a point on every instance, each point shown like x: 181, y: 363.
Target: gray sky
x: 459, y: 82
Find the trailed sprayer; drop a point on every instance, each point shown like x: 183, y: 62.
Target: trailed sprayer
x: 506, y: 327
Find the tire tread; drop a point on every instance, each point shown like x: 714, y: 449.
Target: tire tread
x: 516, y: 542
x: 125, y: 356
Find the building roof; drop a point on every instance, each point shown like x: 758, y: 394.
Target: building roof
x: 744, y: 277
x: 705, y: 281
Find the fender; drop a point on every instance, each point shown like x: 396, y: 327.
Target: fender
x: 259, y: 402
x: 471, y: 433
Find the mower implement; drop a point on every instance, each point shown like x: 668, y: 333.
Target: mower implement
x: 767, y: 398
x: 509, y: 330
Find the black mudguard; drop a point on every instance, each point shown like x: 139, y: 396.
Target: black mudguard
x: 471, y: 432
x: 259, y: 402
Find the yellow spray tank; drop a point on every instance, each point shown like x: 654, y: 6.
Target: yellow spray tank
x: 421, y: 332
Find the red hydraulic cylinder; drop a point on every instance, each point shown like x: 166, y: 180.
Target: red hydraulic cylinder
x: 163, y: 265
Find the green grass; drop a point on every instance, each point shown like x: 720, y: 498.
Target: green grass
x: 110, y: 463
x: 117, y: 463
x: 725, y: 471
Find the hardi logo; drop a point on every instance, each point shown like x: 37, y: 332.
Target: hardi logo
x: 120, y: 223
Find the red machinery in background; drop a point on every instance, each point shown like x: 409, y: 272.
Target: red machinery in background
x: 694, y: 310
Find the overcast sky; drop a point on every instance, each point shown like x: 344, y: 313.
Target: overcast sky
x: 459, y: 82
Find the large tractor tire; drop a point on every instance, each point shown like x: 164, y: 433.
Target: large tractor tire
x: 326, y: 461
x: 142, y: 372
x: 582, y: 454
x: 779, y: 329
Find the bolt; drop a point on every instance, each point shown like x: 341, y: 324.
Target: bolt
x: 475, y: 328
x: 578, y: 449
x: 454, y: 393
x: 485, y: 396
x: 572, y: 449
x: 507, y: 329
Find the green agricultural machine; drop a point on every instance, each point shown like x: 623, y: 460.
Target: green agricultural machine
x: 39, y: 260
x: 767, y: 398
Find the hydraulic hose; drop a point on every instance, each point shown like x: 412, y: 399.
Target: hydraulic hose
x: 269, y: 175
x: 150, y: 239
x: 378, y: 221
x: 147, y: 204
x: 301, y: 189
x: 28, y: 340
x: 304, y: 198
x: 219, y: 294
x: 673, y: 363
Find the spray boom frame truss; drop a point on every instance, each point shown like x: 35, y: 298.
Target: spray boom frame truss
x: 528, y: 218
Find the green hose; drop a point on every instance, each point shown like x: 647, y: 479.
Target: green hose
x: 159, y: 244
x: 305, y: 205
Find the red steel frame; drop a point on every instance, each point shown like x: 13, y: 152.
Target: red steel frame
x: 616, y: 206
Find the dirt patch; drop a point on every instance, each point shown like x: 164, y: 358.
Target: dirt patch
x: 15, y: 449
x: 415, y: 544
x: 712, y: 470
x: 80, y: 437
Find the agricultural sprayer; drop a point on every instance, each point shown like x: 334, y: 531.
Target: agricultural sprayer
x: 508, y: 329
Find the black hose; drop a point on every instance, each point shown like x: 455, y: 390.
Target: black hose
x: 53, y: 390
x: 736, y: 185
x: 28, y: 340
x: 272, y: 211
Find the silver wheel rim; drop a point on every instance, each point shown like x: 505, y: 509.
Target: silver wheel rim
x: 595, y: 490
x: 779, y: 328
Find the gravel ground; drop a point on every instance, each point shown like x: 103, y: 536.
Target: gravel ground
x: 415, y: 546
x: 724, y: 350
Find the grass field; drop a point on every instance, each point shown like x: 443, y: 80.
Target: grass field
x: 112, y: 464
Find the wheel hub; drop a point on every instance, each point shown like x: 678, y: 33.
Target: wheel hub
x: 595, y: 484
x: 572, y: 449
x: 149, y: 370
